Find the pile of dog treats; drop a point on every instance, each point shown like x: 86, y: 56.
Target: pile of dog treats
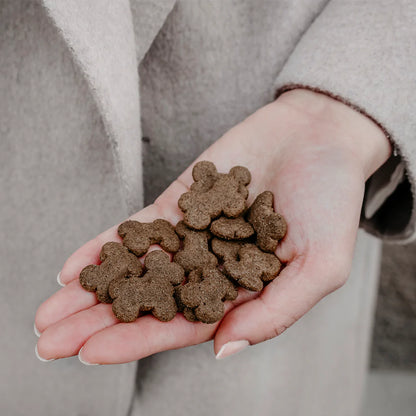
x: 220, y: 244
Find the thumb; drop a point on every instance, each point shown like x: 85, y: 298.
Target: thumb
x: 298, y: 288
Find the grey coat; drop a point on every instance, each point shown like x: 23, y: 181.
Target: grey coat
x: 106, y: 102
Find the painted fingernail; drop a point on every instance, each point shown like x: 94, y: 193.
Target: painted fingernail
x: 83, y: 360
x: 58, y: 279
x: 40, y: 358
x: 37, y: 333
x: 232, y: 347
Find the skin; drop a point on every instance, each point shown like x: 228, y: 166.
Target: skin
x: 315, y: 154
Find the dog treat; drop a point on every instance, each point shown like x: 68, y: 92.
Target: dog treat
x: 226, y: 250
x: 206, y: 297
x: 231, y: 228
x: 138, y: 236
x: 269, y: 225
x: 116, y: 263
x: 195, y: 253
x: 195, y: 276
x: 215, y: 206
x: 213, y: 194
x: 153, y: 292
x: 246, y: 263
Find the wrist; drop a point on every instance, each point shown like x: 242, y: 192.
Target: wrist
x: 347, y: 128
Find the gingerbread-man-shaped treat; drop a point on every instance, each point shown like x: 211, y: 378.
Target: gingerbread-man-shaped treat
x: 206, y: 298
x: 154, y: 292
x: 138, y: 236
x: 213, y: 194
x: 269, y: 225
x: 116, y: 263
x: 195, y: 276
x: 195, y: 253
x: 246, y: 264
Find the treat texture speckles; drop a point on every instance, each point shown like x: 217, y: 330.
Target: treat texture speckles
x: 154, y: 292
x: 205, y: 298
x: 213, y: 194
x: 232, y: 228
x: 195, y: 253
x: 270, y: 226
x: 138, y: 236
x: 116, y: 263
x: 247, y: 264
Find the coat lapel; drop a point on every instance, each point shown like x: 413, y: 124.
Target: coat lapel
x: 148, y: 18
x: 101, y: 36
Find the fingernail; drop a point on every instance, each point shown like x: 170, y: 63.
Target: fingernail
x: 40, y: 358
x: 37, y: 333
x: 230, y: 348
x: 58, y: 279
x: 84, y: 361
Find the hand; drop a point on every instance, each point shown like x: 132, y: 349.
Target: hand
x: 315, y: 154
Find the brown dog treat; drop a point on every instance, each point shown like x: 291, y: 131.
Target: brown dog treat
x: 269, y: 225
x: 195, y: 253
x: 189, y: 315
x: 246, y: 263
x: 252, y: 267
x: 232, y: 228
x: 116, y: 262
x: 214, y: 193
x: 138, y: 236
x: 153, y: 292
x: 226, y: 250
x: 195, y: 276
x: 206, y: 298
x: 204, y: 174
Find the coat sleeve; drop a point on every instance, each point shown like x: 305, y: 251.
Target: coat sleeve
x: 363, y: 53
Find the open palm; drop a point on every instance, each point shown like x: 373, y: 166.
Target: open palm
x: 318, y: 183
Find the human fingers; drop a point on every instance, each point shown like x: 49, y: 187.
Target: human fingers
x: 109, y: 341
x: 301, y: 284
x: 65, y: 338
x: 65, y: 302
x: 126, y: 342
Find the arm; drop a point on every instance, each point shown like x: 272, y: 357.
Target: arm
x: 315, y: 154
x: 363, y: 54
